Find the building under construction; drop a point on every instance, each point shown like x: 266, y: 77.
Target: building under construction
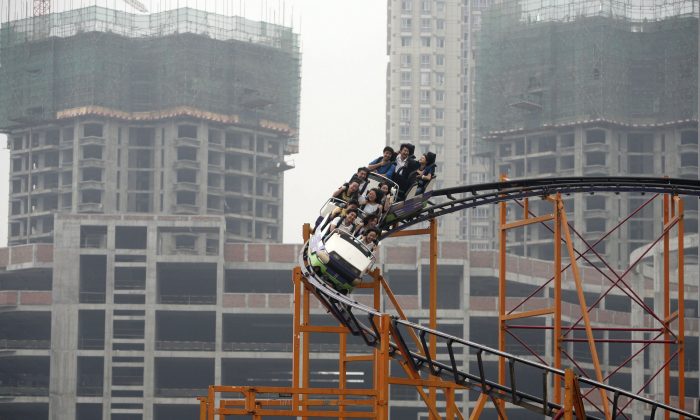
x: 590, y: 88
x: 179, y: 112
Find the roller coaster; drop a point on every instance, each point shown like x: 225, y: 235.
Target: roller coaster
x: 414, y: 347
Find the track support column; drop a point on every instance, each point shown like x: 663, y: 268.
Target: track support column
x: 382, y: 365
x: 433, y: 300
x: 557, y: 300
x: 502, y: 236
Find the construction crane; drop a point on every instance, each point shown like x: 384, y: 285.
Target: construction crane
x: 136, y: 4
x: 43, y: 7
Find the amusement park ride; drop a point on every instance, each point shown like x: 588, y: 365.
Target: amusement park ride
x: 439, y: 366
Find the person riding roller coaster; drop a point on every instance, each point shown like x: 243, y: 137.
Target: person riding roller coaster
x: 406, y: 165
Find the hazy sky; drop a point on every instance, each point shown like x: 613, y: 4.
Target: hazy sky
x: 342, y: 93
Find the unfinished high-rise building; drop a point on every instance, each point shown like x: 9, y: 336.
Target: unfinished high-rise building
x: 140, y: 144
x: 590, y: 88
x: 179, y: 112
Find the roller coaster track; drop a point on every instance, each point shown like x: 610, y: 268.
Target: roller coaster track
x: 362, y: 320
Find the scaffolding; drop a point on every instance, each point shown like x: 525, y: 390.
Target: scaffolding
x: 101, y: 58
x: 545, y: 64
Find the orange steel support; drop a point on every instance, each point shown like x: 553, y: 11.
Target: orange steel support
x: 502, y: 297
x: 582, y: 305
x: 672, y: 217
x: 433, y: 300
x: 557, y: 301
x: 667, y: 303
x: 569, y: 394
x: 382, y: 369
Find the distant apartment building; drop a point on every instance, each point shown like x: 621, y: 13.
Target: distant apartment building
x: 181, y: 112
x: 424, y: 86
x: 590, y: 89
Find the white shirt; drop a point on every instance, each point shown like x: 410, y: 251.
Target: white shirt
x: 400, y: 163
x: 341, y: 223
x: 372, y: 208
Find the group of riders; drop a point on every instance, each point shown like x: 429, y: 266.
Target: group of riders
x: 360, y: 209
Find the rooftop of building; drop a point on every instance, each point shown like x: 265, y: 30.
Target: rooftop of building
x: 641, y: 11
x: 170, y: 22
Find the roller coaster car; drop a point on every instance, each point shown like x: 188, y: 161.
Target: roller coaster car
x: 339, y: 258
x: 413, y: 203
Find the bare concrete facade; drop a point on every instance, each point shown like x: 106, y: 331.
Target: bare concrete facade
x: 134, y: 330
x: 177, y: 166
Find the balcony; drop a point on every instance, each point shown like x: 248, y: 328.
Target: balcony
x: 46, y: 189
x: 92, y: 163
x: 186, y: 209
x: 38, y: 236
x: 92, y: 185
x: 688, y: 172
x: 215, y: 168
x: 598, y: 213
x: 186, y: 164
x: 186, y: 186
x: 215, y: 189
x: 187, y: 141
x: 595, y: 170
x: 92, y: 140
x: 90, y: 208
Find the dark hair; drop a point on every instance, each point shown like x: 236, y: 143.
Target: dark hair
x: 363, y: 168
x: 411, y: 148
x: 374, y: 229
x: 354, y: 201
x: 348, y: 211
x: 429, y: 158
x: 369, y: 217
x: 354, y: 179
x: 377, y: 193
x: 388, y: 149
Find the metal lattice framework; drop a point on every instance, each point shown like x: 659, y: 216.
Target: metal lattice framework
x: 415, y: 346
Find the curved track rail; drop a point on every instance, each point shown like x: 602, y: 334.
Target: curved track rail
x: 468, y: 196
x: 361, y: 320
